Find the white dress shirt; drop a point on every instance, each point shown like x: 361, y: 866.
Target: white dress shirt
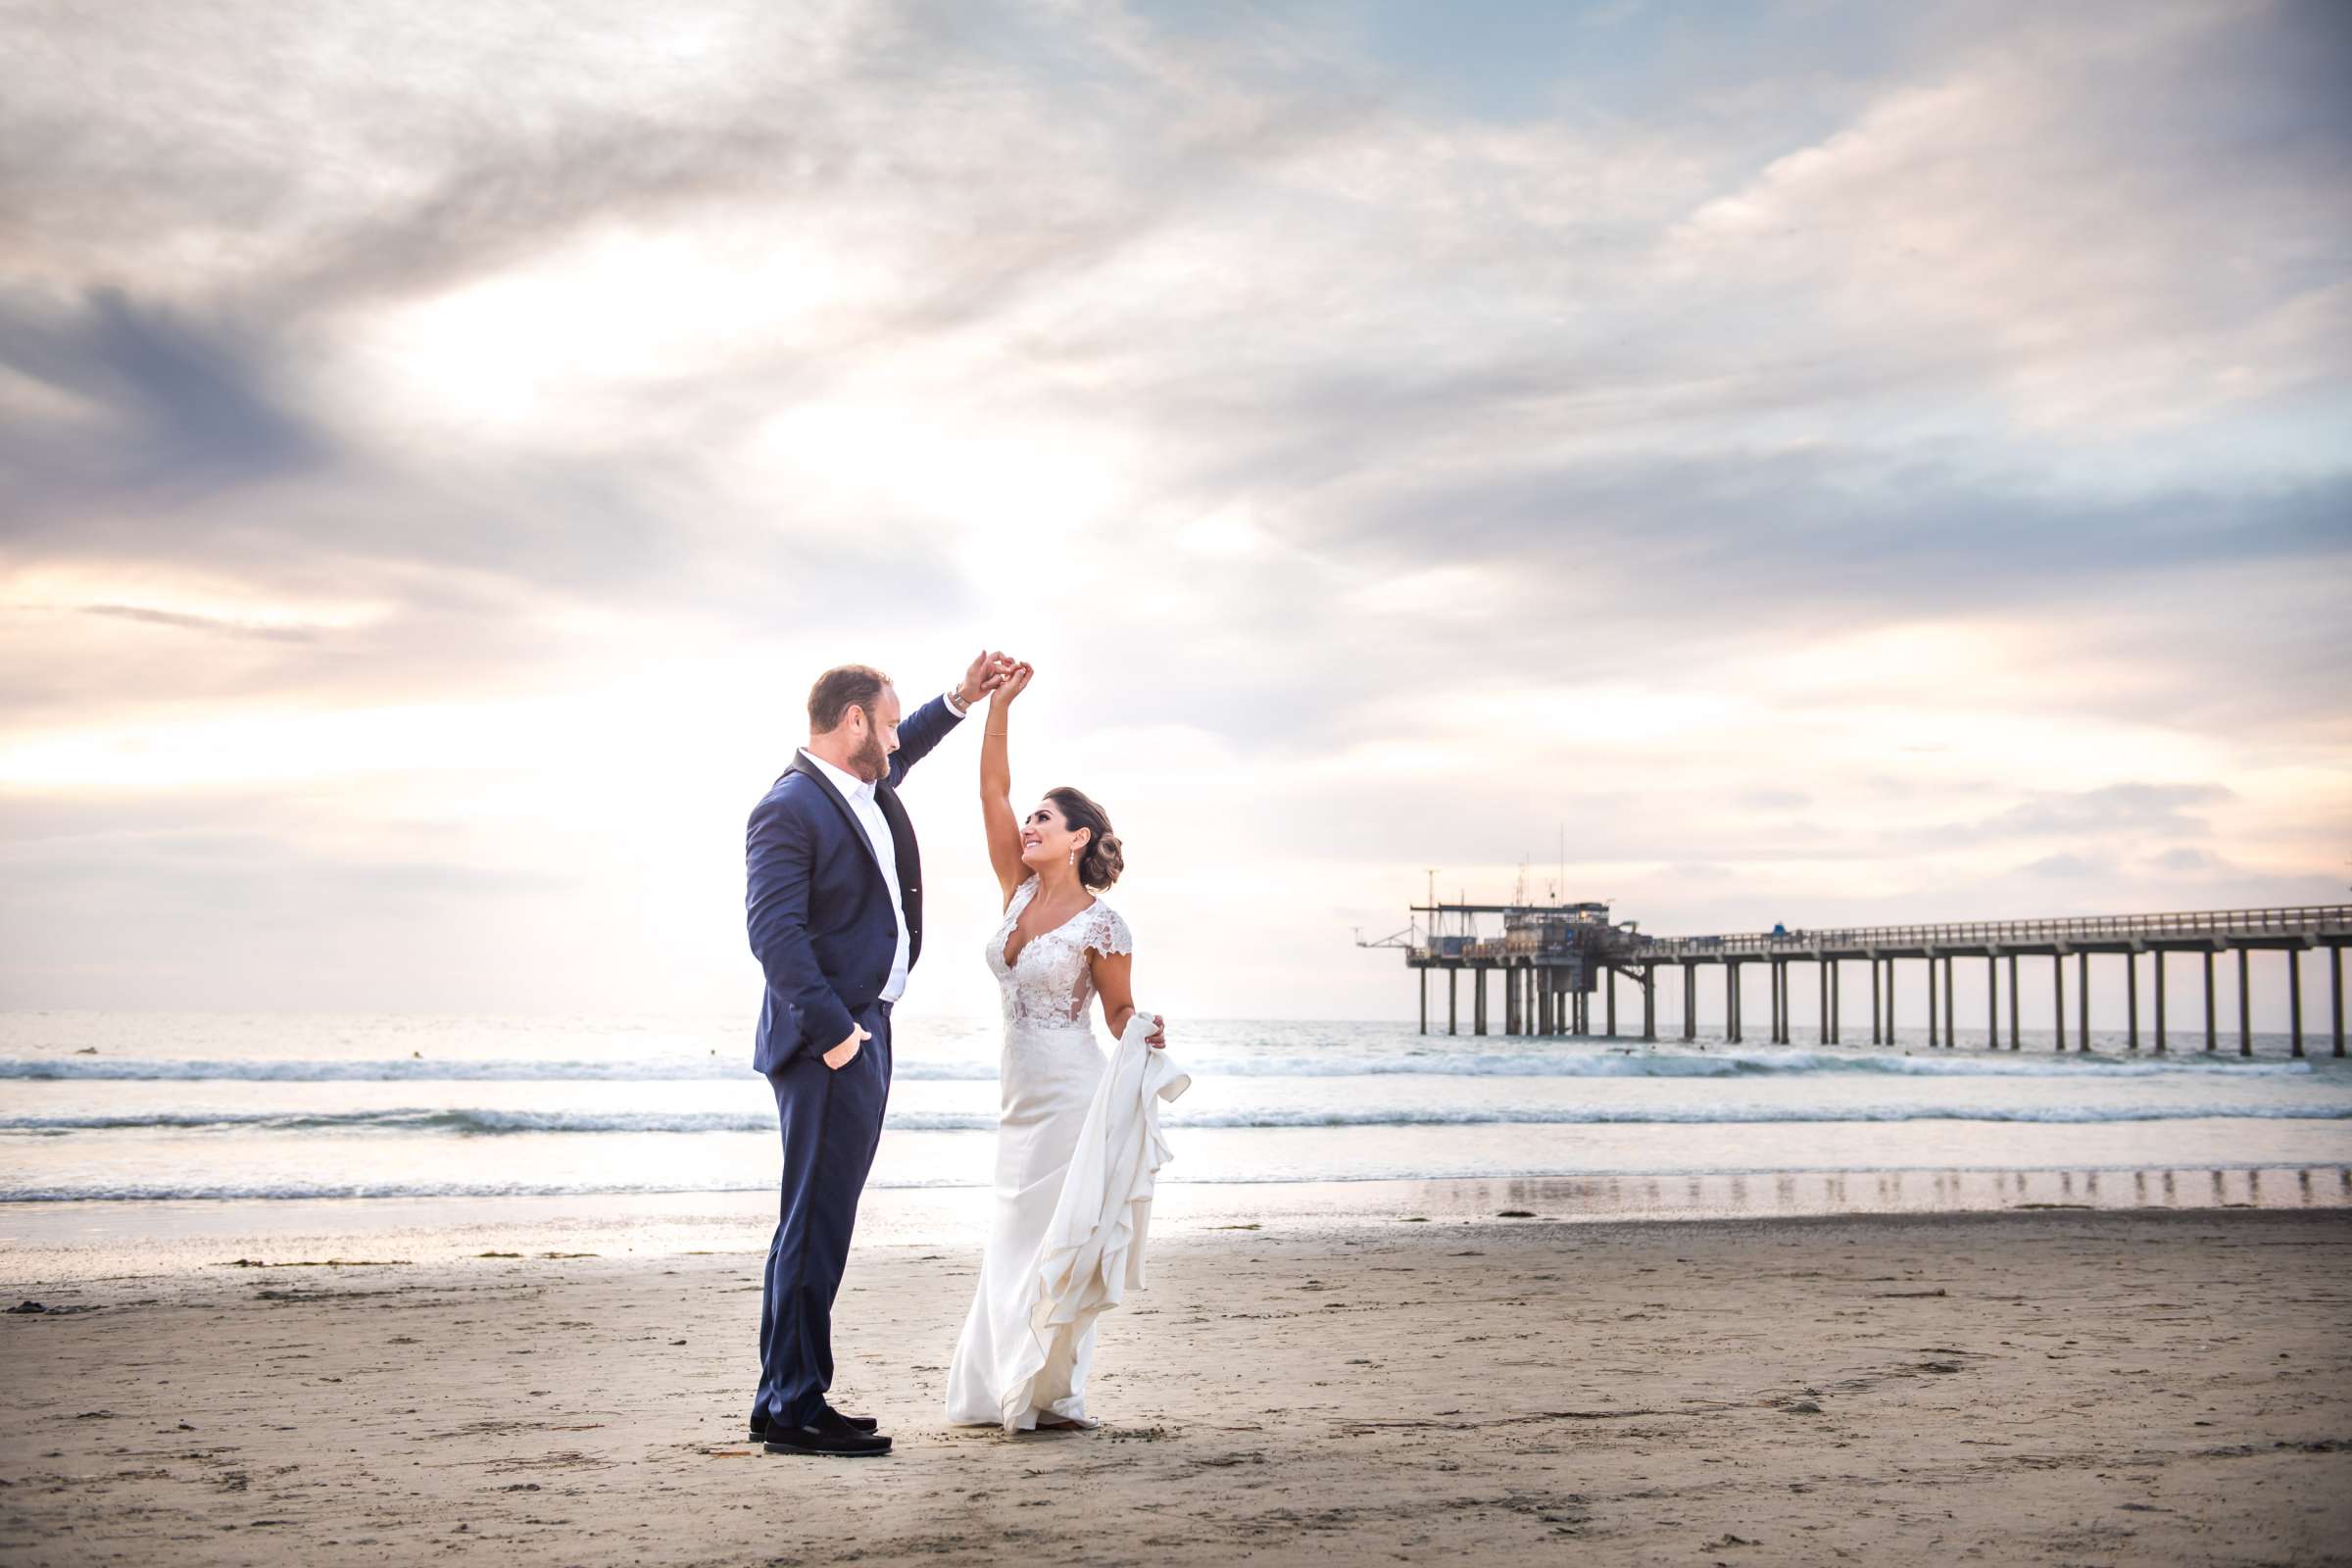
x: 868, y: 811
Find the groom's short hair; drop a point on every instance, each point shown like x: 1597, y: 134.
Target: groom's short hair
x: 841, y: 689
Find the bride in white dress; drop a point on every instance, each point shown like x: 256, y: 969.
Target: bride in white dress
x: 1065, y: 1224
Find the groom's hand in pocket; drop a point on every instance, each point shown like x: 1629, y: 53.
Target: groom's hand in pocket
x: 843, y: 1054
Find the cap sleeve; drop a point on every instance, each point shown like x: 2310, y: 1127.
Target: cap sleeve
x: 1109, y: 933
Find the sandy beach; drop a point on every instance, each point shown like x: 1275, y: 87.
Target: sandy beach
x: 2048, y: 1388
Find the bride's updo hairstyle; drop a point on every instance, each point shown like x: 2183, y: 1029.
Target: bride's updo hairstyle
x: 1106, y: 856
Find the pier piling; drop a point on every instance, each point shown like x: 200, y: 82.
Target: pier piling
x: 2013, y: 1001
x: 2294, y: 998
x: 2335, y: 986
x: 2246, y: 1009
x: 2209, y: 1034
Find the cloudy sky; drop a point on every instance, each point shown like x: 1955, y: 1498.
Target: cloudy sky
x: 1830, y: 462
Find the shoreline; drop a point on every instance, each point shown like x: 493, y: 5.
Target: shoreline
x: 78, y: 1240
x: 2121, y: 1386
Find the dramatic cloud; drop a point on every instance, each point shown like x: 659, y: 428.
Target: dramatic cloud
x: 1822, y: 462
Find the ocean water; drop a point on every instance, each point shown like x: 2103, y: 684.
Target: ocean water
x: 130, y: 1109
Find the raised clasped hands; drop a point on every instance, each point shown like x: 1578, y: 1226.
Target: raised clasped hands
x: 989, y: 672
x: 843, y: 1054
x: 1016, y: 681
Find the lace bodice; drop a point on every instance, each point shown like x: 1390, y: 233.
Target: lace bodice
x: 1050, y: 986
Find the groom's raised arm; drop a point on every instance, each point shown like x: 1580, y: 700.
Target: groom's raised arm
x: 929, y: 724
x: 918, y: 732
x: 777, y: 858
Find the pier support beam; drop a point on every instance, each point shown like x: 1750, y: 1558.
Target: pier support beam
x: 1424, y: 1000
x: 1875, y: 1010
x: 2013, y: 1001
x: 1730, y: 1001
x: 1452, y: 997
x: 1478, y: 1000
x: 1932, y: 1040
x: 1992, y: 1001
x: 2335, y: 985
x: 2156, y: 959
x: 2294, y: 998
x: 2058, y: 999
x: 1608, y: 977
x: 2210, y: 1038
x: 2132, y: 994
x: 1822, y: 977
x: 2246, y: 1009
x: 1649, y: 1002
x: 1836, y: 1001
x: 1951, y: 1034
x: 1890, y: 1002
x: 2083, y: 1001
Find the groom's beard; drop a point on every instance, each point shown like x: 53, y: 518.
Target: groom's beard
x: 870, y: 761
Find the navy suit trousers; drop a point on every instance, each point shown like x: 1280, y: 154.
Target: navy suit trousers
x: 831, y: 1123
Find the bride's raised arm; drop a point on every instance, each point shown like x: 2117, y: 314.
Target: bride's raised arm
x: 996, y: 784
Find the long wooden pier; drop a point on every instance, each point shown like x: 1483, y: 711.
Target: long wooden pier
x: 1555, y: 959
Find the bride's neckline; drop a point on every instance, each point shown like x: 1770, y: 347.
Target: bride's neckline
x: 1011, y: 956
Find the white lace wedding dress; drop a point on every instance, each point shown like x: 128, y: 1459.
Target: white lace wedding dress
x: 1077, y: 1150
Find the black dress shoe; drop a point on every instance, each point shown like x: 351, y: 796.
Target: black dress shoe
x: 856, y: 1423
x: 834, y: 1441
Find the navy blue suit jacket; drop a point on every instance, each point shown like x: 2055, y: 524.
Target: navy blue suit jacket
x: 818, y: 910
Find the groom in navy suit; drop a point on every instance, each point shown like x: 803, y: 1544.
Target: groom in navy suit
x: 834, y: 900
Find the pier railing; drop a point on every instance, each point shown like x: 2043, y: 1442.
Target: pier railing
x: 2311, y: 920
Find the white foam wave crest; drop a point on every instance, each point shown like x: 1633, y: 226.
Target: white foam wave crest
x: 1533, y: 1062
x: 493, y: 1123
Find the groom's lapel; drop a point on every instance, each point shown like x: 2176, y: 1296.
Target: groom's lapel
x: 910, y: 868
x: 802, y: 764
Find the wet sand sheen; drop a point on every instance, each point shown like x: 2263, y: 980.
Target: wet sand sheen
x: 2041, y: 1387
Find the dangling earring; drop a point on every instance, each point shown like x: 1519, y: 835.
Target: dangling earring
x: 1073, y: 854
